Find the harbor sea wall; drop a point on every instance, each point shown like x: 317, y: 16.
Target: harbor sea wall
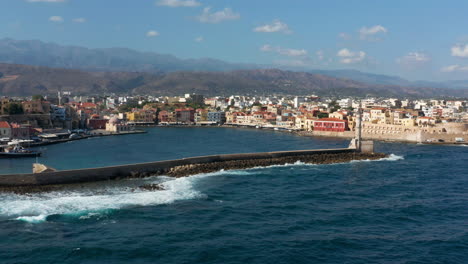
x: 182, y: 167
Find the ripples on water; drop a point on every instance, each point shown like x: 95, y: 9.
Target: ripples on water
x: 408, y: 208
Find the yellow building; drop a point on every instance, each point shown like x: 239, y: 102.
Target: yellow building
x: 141, y: 116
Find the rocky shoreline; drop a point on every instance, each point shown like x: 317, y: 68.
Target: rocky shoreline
x: 187, y: 170
x: 192, y: 169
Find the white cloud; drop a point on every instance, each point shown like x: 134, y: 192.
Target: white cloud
x: 292, y: 52
x: 266, y: 48
x: 217, y: 17
x: 320, y: 55
x: 284, y: 51
x: 454, y: 68
x: 46, y: 1
x: 414, y: 58
x: 460, y: 50
x: 56, y: 19
x: 178, y: 3
x: 199, y: 39
x: 369, y: 33
x: 347, y: 56
x: 79, y: 20
x: 152, y: 33
x: 275, y: 26
x: 291, y: 63
x: 344, y: 36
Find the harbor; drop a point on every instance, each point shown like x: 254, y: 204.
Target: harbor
x: 44, y: 175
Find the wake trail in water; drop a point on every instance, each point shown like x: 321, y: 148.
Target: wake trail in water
x: 85, y: 204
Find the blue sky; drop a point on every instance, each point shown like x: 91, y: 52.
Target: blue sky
x: 418, y: 40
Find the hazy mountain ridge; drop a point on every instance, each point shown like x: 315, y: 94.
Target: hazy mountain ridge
x: 26, y: 80
x: 35, y: 52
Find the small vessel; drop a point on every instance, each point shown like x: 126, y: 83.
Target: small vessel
x: 17, y: 151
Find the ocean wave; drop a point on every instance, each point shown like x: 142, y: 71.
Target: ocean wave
x: 391, y: 157
x: 35, y: 208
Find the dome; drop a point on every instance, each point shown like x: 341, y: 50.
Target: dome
x: 114, y: 120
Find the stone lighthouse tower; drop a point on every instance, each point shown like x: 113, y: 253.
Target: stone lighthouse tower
x: 356, y: 142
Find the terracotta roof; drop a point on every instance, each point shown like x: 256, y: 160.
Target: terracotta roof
x: 4, y: 124
x: 331, y: 120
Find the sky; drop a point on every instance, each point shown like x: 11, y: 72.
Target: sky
x: 416, y: 40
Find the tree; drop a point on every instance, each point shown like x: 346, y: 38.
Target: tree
x: 322, y: 115
x: 128, y: 107
x: 334, y: 106
x: 37, y: 97
x: 14, y: 109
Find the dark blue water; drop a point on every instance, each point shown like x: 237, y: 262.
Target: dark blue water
x: 410, y: 208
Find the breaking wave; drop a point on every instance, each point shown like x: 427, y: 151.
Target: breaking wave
x: 391, y: 157
x: 84, y: 204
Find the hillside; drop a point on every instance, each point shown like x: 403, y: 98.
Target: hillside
x: 35, y: 52
x: 24, y: 80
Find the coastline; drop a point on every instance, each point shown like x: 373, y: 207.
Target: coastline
x: 58, y: 141
x: 349, y: 135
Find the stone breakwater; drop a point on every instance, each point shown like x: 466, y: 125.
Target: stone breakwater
x: 83, y: 178
x: 191, y: 169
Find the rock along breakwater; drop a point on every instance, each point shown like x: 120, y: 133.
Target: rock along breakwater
x: 186, y: 170
x: 50, y: 180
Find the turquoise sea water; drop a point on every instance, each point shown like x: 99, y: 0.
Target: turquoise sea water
x: 409, y: 208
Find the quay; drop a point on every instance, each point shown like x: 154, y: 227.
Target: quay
x: 95, y: 134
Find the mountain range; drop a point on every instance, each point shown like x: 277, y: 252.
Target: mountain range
x: 24, y: 80
x: 32, y: 66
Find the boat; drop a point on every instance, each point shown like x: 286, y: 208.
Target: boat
x: 17, y: 151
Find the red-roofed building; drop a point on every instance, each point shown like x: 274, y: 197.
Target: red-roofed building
x: 330, y: 124
x: 185, y: 115
x: 5, y: 129
x: 21, y: 132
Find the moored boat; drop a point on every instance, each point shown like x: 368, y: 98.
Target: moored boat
x: 18, y: 151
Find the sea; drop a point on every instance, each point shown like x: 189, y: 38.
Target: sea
x: 411, y: 207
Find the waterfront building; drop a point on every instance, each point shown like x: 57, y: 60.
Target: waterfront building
x: 330, y: 124
x: 116, y: 126
x: 5, y: 129
x: 141, y: 116
x: 217, y: 117
x: 185, y: 115
x: 20, y: 131
x: 201, y: 115
x: 95, y: 122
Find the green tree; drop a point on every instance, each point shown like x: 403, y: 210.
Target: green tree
x: 128, y: 107
x: 322, y: 115
x: 14, y: 109
x: 37, y: 97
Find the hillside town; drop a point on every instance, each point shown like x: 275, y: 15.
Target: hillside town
x: 43, y: 118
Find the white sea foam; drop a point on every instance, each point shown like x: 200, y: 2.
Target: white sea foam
x: 391, y: 157
x: 37, y: 207
x: 32, y: 219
